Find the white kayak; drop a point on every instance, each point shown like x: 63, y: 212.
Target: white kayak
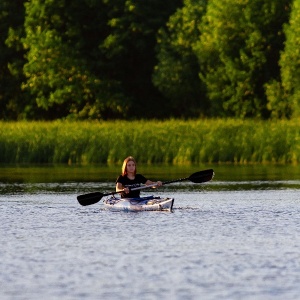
x: 149, y: 203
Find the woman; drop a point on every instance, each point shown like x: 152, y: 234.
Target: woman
x: 130, y: 179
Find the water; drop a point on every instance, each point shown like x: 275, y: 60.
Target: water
x: 224, y: 240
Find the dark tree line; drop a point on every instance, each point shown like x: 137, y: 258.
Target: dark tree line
x: 109, y: 59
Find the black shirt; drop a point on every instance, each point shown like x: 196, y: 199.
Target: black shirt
x: 131, y: 183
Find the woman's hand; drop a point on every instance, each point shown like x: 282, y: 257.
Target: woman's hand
x: 157, y: 184
x: 126, y: 190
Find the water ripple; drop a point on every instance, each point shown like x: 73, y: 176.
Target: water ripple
x: 215, y: 245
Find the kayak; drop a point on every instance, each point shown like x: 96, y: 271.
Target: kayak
x: 149, y: 203
x: 138, y: 204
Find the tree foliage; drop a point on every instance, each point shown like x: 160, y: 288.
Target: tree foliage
x: 176, y: 74
x: 238, y: 52
x: 12, y: 100
x: 284, y: 95
x: 64, y: 71
x: 111, y: 59
x: 92, y: 59
x: 130, y: 49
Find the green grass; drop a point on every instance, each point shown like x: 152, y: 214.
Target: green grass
x: 173, y: 142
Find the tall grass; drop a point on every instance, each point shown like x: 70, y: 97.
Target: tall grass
x: 173, y: 142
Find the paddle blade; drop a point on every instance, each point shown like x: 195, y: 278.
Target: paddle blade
x: 89, y: 199
x: 202, y: 176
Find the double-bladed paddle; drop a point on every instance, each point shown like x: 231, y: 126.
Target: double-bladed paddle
x: 198, y: 177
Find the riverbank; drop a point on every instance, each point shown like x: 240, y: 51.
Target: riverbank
x: 172, y: 142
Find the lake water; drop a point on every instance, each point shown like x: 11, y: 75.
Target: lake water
x: 226, y: 239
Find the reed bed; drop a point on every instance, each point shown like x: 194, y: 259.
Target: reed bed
x: 171, y: 142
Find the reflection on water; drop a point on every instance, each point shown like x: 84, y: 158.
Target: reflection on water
x: 108, y: 174
x: 69, y: 179
x: 82, y: 188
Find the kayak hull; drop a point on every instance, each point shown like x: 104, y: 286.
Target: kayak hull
x: 139, y: 204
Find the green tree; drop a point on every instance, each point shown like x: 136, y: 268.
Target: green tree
x: 130, y: 51
x: 177, y: 73
x: 284, y: 95
x: 93, y: 59
x: 12, y: 100
x: 239, y: 52
x: 64, y: 69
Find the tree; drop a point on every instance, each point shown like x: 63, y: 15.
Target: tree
x: 284, y: 96
x: 130, y: 49
x: 93, y: 59
x: 239, y: 51
x: 12, y: 100
x: 177, y: 73
x: 64, y: 69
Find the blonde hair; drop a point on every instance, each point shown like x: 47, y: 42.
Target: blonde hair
x: 124, y: 167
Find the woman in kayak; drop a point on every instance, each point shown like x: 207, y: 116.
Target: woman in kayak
x: 130, y: 179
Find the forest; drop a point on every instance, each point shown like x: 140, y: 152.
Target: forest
x: 130, y: 59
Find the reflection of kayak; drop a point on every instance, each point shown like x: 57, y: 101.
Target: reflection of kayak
x: 149, y: 203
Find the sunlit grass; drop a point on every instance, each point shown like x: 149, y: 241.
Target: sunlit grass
x: 173, y: 142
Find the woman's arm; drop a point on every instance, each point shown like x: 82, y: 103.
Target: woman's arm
x: 120, y: 188
x: 149, y: 182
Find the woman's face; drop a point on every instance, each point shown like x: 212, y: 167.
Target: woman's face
x: 130, y: 166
